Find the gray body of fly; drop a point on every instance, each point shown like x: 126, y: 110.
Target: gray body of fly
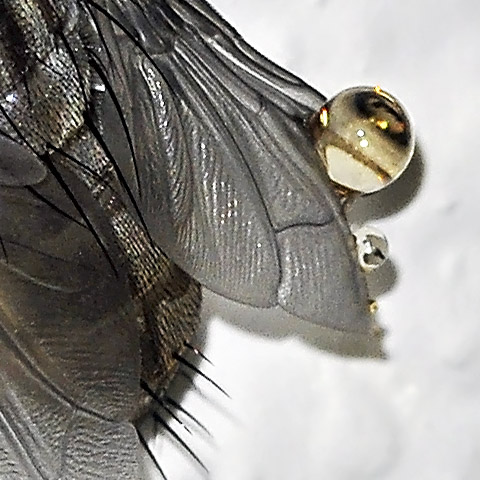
x: 145, y: 149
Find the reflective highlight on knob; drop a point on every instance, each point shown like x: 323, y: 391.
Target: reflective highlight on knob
x: 364, y: 137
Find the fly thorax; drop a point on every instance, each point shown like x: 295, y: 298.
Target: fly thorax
x: 45, y: 76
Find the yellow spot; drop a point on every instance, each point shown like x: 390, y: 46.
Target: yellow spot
x: 373, y: 307
x: 383, y: 124
x: 378, y: 89
x: 324, y: 116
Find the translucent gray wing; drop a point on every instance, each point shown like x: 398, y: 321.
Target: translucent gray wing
x: 228, y: 182
x: 68, y: 340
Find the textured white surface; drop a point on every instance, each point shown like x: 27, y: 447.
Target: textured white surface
x: 299, y: 412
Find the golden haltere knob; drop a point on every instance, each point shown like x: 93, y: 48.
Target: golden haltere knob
x: 364, y: 137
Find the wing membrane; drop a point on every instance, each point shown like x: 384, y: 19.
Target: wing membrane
x: 226, y: 163
x: 68, y: 339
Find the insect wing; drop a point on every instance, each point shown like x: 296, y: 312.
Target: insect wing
x: 68, y: 340
x: 227, y: 179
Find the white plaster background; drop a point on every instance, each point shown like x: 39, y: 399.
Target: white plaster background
x: 297, y: 411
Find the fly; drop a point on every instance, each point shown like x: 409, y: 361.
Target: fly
x: 146, y: 150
